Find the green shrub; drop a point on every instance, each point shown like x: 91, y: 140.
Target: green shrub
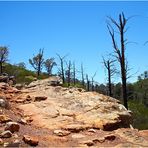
x: 140, y: 114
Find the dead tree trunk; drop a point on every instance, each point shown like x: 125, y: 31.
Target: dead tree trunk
x: 110, y: 72
x: 82, y: 75
x: 74, y: 74
x: 88, y: 83
x: 62, y: 67
x: 69, y: 73
x: 120, y: 52
x: 92, y: 83
x: 1, y: 68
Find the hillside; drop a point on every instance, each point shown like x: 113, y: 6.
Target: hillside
x: 50, y: 115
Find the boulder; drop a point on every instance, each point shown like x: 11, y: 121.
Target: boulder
x: 6, y: 134
x: 51, y: 81
x: 55, y: 81
x: 12, y: 126
x: 33, y: 141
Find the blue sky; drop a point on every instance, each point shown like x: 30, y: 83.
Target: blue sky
x: 74, y: 28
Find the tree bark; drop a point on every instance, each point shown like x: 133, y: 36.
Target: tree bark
x: 1, y: 68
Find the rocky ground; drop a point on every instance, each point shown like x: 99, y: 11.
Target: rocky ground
x: 44, y: 114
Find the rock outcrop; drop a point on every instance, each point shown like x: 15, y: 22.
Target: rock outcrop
x: 48, y: 115
x: 72, y: 109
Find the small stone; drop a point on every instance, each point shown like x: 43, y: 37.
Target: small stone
x: 70, y: 91
x: 28, y: 119
x: 89, y: 143
x: 4, y: 103
x: 20, y: 101
x: 1, y: 141
x: 4, y: 119
x: 40, y: 98
x: 33, y: 141
x: 15, y: 136
x: 80, y: 89
x: 6, y: 134
x: 92, y: 130
x: 6, y: 144
x: 110, y: 137
x: 101, y: 140
x: 22, y: 121
x: 15, y: 143
x: 12, y: 126
x: 61, y: 132
x: 19, y: 86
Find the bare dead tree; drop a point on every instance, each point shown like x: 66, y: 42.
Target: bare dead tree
x: 74, y: 74
x: 109, y: 66
x: 37, y: 61
x: 62, y: 66
x: 4, y: 51
x: 87, y: 83
x: 120, y: 52
x: 68, y: 72
x: 92, y: 82
x: 82, y: 75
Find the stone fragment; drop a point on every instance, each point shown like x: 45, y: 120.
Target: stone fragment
x: 61, y: 132
x: 20, y: 101
x: 19, y: 86
x: 6, y: 134
x: 22, y: 121
x: 1, y: 141
x: 14, y: 143
x: 100, y: 140
x: 40, y: 98
x: 4, y: 119
x: 6, y: 144
x: 92, y: 130
x: 110, y: 137
x: 4, y: 103
x: 15, y: 136
x: 89, y: 143
x: 12, y: 126
x: 28, y: 119
x: 33, y: 141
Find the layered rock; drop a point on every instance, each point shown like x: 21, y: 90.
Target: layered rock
x: 72, y: 108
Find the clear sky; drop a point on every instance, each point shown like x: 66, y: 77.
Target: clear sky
x: 74, y: 28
